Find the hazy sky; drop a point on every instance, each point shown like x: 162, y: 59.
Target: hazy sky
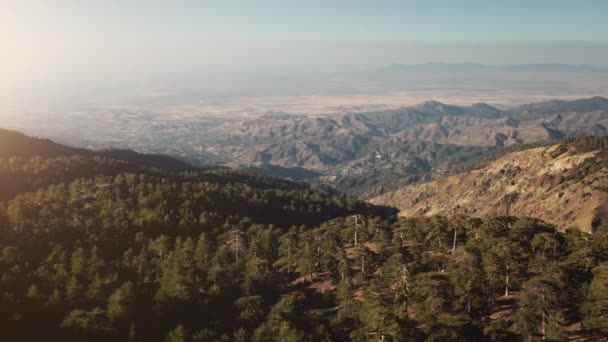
x: 45, y: 45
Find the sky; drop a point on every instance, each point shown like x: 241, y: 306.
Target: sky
x: 345, y: 20
x: 46, y: 45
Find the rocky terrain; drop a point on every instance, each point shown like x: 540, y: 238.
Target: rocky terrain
x: 364, y: 153
x: 564, y: 184
x: 323, y: 143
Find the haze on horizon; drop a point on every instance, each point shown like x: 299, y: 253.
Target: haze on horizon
x: 67, y: 51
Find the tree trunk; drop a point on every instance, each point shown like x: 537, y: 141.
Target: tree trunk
x: 363, y: 264
x: 319, y: 256
x: 543, y: 329
x: 454, y: 244
x: 507, y: 282
x: 356, y: 227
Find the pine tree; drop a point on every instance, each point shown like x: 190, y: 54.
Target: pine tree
x: 307, y: 255
x: 250, y: 308
x: 433, y: 301
x: 174, y: 283
x: 201, y: 253
x: 595, y: 305
x: 397, y: 273
x: 278, y: 326
x: 178, y: 334
x: 78, y: 262
x: 346, y: 302
x: 121, y: 303
x: 469, y: 281
x: 236, y: 243
x: 378, y: 315
x: 288, y: 246
x: 541, y: 307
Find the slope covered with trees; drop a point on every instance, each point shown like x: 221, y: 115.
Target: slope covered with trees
x: 121, y: 251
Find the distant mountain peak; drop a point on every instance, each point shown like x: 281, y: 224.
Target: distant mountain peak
x: 432, y: 104
x: 473, y: 67
x: 483, y: 105
x: 599, y: 99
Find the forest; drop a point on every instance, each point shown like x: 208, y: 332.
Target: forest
x: 98, y: 249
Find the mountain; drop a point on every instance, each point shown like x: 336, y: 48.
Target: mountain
x: 439, y: 67
x: 541, y: 109
x: 524, y: 124
x: 564, y: 184
x: 150, y: 160
x: 427, y: 112
x: 292, y: 173
x: 323, y: 143
x: 99, y: 249
x: 17, y: 144
x: 30, y: 163
x: 365, y: 153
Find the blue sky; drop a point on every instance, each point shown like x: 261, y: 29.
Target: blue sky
x: 76, y: 41
x: 338, y: 20
x: 452, y: 20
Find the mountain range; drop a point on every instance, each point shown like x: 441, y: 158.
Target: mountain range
x: 363, y: 152
x: 442, y: 67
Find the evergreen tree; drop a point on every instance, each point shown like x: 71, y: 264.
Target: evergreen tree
x: 541, y: 307
x: 595, y: 305
x: 121, y: 303
x: 434, y: 298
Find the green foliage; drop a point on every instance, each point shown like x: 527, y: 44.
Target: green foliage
x: 542, y: 307
x: 83, y: 322
x: 121, y: 303
x: 177, y: 335
x: 595, y: 305
x: 114, y: 251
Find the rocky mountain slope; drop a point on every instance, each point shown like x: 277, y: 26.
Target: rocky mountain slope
x: 565, y: 184
x: 364, y: 153
x: 323, y: 143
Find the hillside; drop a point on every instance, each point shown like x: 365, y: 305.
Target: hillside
x: 565, y: 184
x: 30, y: 163
x: 17, y: 144
x: 98, y: 249
x: 322, y: 143
x: 364, y: 153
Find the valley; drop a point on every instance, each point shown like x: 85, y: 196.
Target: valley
x: 359, y: 150
x: 363, y: 153
x: 303, y: 171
